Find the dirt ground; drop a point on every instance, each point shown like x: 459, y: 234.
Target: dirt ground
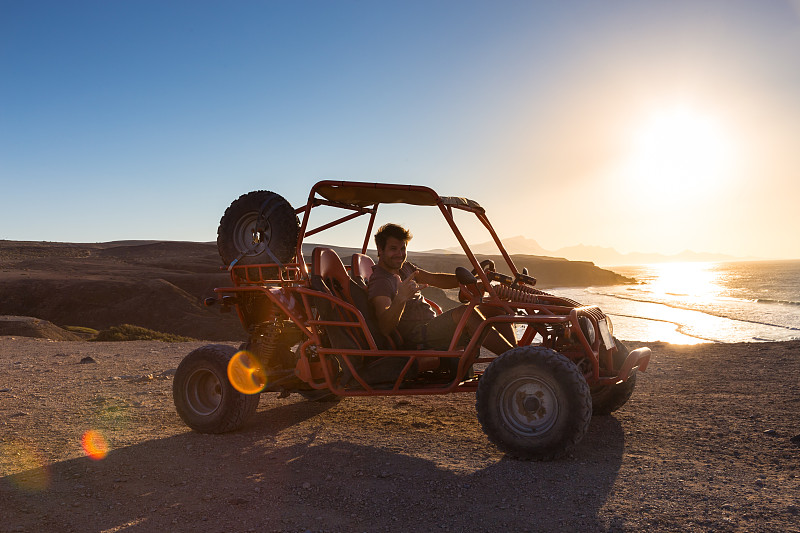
x: 705, y: 444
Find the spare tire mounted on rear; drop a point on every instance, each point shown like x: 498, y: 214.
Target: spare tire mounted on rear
x: 259, y: 227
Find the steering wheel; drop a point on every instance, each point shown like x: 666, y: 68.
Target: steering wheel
x: 487, y: 265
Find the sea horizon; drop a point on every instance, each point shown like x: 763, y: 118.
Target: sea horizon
x: 691, y: 303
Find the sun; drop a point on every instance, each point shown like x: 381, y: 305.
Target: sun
x: 679, y: 151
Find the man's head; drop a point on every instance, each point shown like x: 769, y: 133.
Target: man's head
x: 391, y: 241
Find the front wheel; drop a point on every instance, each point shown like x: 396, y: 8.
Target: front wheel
x: 204, y: 397
x: 534, y: 403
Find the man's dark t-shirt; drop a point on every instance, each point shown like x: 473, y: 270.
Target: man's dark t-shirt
x: 416, y: 312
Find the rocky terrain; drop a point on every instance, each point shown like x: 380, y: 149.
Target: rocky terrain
x: 90, y: 440
x: 708, y: 442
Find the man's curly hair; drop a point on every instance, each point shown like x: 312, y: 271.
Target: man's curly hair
x: 391, y: 230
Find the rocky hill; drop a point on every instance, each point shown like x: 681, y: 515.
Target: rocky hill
x: 161, y: 285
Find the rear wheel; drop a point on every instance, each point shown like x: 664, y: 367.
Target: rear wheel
x: 256, y: 224
x: 608, y: 398
x: 204, y: 397
x: 533, y: 403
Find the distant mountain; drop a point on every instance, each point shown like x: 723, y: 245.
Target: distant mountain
x: 518, y: 245
x: 598, y: 255
x: 610, y: 257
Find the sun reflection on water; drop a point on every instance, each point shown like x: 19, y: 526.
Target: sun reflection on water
x: 698, y: 282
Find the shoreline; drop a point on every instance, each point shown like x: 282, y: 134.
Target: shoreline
x: 672, y: 320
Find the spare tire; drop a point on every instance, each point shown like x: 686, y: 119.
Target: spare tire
x: 256, y: 224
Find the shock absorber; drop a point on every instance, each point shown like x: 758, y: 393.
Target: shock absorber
x: 516, y: 294
x: 266, y: 340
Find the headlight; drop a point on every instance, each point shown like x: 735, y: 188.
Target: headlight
x: 588, y: 329
x: 610, y: 325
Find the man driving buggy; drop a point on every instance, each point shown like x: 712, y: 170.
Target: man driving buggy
x: 394, y: 292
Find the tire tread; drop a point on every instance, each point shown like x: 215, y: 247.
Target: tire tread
x: 567, y: 373
x: 237, y: 407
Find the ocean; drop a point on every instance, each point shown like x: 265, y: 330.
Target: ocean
x: 690, y: 303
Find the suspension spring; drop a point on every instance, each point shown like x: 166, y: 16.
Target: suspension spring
x: 516, y: 294
x: 266, y: 340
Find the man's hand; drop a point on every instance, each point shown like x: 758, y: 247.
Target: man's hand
x: 387, y: 311
x: 408, y: 288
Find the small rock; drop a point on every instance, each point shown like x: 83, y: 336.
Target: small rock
x: 86, y: 360
x: 795, y: 440
x: 760, y: 483
x: 770, y: 432
x: 5, y: 390
x: 306, y: 485
x: 793, y: 509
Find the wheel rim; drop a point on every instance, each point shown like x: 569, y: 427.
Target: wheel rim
x: 203, y: 392
x: 247, y: 238
x: 529, y: 406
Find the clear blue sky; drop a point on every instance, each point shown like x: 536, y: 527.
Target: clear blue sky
x: 645, y: 126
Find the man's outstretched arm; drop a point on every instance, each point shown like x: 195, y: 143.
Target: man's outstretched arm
x: 437, y: 279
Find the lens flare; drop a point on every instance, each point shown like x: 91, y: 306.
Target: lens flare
x: 94, y: 444
x: 246, y: 374
x: 29, y: 471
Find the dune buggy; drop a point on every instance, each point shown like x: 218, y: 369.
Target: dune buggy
x: 312, y: 331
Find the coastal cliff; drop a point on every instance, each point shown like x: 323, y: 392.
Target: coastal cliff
x: 161, y: 285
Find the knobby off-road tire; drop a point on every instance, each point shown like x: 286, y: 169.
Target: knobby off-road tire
x: 253, y: 222
x: 534, y: 403
x: 608, y: 398
x: 203, y: 395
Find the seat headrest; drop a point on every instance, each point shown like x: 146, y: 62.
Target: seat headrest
x: 362, y: 265
x: 328, y: 266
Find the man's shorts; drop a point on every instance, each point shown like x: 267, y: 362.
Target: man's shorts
x: 436, y: 333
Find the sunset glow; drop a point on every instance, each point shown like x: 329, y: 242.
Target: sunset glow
x: 679, y: 151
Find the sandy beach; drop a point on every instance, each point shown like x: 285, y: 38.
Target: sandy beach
x: 705, y: 444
